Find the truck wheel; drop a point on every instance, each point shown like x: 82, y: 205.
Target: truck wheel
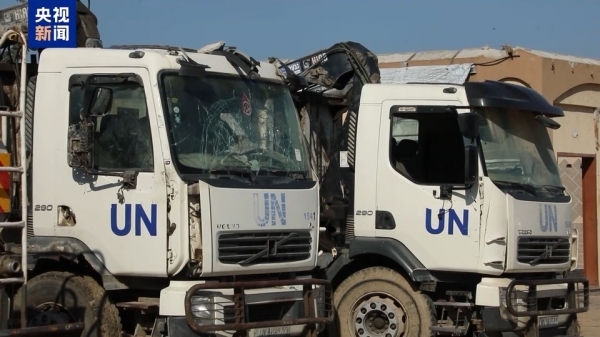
x: 378, y: 301
x: 61, y: 297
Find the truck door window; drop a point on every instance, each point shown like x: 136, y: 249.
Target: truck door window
x: 427, y: 148
x: 122, y: 138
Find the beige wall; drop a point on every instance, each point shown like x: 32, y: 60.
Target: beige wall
x: 576, y: 134
x: 579, y: 127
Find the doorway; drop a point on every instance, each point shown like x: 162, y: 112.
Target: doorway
x: 578, y: 174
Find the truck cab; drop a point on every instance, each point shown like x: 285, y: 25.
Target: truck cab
x: 176, y: 183
x: 470, y: 170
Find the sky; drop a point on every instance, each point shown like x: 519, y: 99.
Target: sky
x: 293, y: 29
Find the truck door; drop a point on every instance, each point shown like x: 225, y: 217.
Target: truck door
x: 126, y: 229
x: 419, y: 152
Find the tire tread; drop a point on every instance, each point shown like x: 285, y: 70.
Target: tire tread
x: 423, y: 303
x: 96, y: 297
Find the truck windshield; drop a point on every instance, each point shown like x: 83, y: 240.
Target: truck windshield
x: 231, y: 123
x: 518, y: 150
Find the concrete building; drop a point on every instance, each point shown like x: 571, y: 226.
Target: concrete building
x: 572, y: 83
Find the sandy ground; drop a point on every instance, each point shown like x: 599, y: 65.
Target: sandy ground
x: 590, y: 321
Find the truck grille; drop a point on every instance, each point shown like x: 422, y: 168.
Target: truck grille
x: 254, y: 248
x: 543, y: 250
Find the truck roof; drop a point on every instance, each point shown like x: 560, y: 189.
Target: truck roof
x: 154, y: 59
x: 480, y: 94
x: 375, y: 93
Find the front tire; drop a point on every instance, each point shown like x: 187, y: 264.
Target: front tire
x: 378, y: 301
x: 62, y: 297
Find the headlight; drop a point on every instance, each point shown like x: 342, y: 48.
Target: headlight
x: 503, y: 297
x: 202, y: 307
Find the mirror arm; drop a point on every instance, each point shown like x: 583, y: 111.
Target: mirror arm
x: 462, y: 187
x: 445, y: 192
x: 129, y: 177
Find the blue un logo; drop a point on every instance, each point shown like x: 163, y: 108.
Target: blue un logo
x: 52, y: 24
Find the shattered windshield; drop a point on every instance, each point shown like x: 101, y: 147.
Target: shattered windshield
x: 222, y: 122
x: 518, y: 150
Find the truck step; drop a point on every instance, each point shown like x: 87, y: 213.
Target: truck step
x: 12, y: 224
x: 10, y: 280
x: 454, y: 304
x: 467, y: 294
x: 11, y: 169
x: 138, y: 305
x: 454, y: 331
x: 5, y: 112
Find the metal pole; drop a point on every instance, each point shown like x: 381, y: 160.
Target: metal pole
x: 23, y: 162
x: 4, y: 131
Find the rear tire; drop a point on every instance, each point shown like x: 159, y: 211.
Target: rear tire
x: 378, y: 301
x: 61, y: 297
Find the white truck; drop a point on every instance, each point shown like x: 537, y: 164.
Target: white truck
x: 156, y: 191
x: 442, y: 208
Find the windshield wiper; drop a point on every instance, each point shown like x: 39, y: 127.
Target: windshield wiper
x: 282, y: 173
x: 561, y: 188
x: 555, y: 191
x: 526, y: 187
x: 234, y: 171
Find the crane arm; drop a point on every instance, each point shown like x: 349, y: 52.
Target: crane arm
x: 338, y: 71
x: 326, y: 86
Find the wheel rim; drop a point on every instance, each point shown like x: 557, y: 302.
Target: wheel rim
x: 379, y: 315
x: 50, y: 314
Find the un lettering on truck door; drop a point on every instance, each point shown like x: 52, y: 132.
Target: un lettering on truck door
x: 423, y: 163
x: 122, y: 226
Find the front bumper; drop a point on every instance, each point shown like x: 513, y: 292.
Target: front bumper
x: 531, y: 305
x: 576, y: 300
x: 256, y: 308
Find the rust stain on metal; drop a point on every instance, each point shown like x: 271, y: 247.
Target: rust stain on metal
x: 198, y: 254
x: 239, y: 304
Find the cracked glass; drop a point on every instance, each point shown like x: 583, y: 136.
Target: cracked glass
x: 221, y: 122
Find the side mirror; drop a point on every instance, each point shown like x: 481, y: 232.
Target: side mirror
x: 471, y: 164
x: 80, y: 145
x: 100, y: 101
x: 469, y: 124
